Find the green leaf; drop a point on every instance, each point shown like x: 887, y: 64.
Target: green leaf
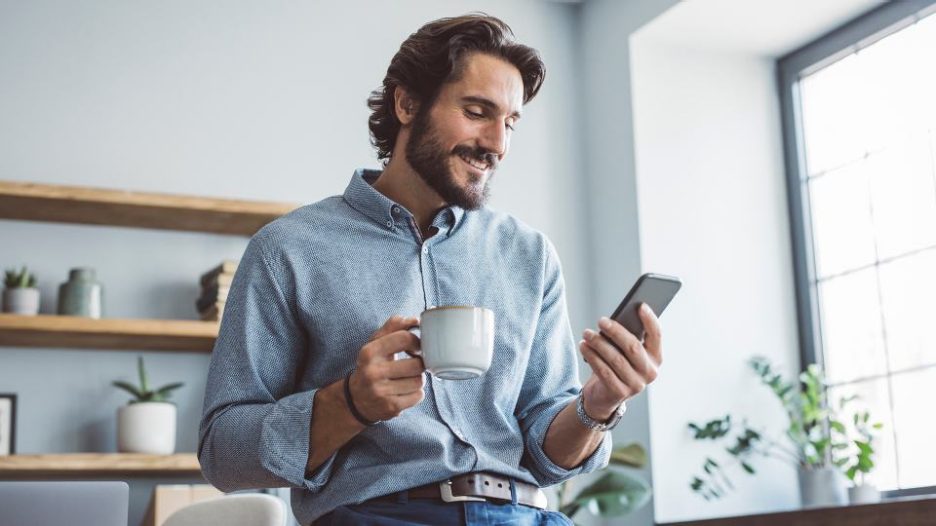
x: 614, y: 494
x: 851, y: 472
x: 632, y: 455
x: 142, y: 373
x: 166, y: 389
x: 130, y: 388
x: 747, y: 467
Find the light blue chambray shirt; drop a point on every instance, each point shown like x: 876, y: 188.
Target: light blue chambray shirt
x: 311, y: 289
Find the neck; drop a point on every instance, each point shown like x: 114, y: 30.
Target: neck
x: 400, y: 183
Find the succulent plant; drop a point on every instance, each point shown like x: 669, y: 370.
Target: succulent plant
x: 19, y: 280
x: 143, y: 393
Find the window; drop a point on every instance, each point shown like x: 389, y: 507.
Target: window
x: 860, y: 129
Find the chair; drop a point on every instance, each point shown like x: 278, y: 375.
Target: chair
x: 245, y: 509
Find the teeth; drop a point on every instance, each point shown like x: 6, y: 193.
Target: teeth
x: 474, y: 162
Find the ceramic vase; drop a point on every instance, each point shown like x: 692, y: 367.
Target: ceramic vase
x: 24, y: 301
x: 147, y: 427
x: 822, y: 487
x: 863, y: 494
x: 81, y: 295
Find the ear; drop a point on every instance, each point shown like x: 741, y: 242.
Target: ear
x: 404, y: 106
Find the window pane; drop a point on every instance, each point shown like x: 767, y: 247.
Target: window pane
x: 841, y: 218
x: 908, y: 290
x: 831, y: 126
x: 903, y: 197
x: 853, y: 344
x: 889, y: 76
x: 914, y: 393
x: 874, y: 398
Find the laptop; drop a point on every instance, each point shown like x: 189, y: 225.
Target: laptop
x: 64, y: 503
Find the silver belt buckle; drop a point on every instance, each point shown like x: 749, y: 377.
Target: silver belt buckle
x: 445, y: 489
x: 540, y: 500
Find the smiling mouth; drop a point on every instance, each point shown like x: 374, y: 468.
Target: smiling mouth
x: 477, y: 164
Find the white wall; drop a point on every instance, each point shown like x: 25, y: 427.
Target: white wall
x: 712, y: 210
x: 233, y: 99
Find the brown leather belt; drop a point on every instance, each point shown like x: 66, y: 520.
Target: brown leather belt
x: 477, y: 487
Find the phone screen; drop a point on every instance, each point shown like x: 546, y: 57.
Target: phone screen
x: 656, y: 290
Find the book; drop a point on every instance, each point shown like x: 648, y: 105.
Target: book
x: 207, y: 300
x: 213, y: 313
x: 218, y: 280
x: 228, y: 266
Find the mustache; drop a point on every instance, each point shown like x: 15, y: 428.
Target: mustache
x: 480, y: 154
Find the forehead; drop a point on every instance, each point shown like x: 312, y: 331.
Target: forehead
x: 491, y: 78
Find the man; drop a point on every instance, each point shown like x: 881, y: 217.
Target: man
x: 305, y: 389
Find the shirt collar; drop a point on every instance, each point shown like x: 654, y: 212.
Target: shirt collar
x: 364, y: 198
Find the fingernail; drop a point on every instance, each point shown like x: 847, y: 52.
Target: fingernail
x: 604, y: 322
x: 589, y: 334
x: 646, y: 308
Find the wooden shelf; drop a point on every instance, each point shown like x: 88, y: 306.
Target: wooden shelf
x: 906, y: 511
x: 73, y: 204
x: 76, y: 332
x: 98, y: 464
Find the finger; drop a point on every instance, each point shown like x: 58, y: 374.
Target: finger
x: 653, y: 333
x: 406, y: 368
x: 630, y: 362
x: 604, y: 372
x: 617, y: 333
x: 393, y: 324
x: 402, y: 386
x: 388, y: 345
x: 409, y: 400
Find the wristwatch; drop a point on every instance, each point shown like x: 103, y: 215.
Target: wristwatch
x: 593, y: 424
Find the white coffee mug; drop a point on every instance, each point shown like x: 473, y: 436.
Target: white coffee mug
x: 457, y: 342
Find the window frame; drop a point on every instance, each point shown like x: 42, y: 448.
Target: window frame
x: 855, y: 35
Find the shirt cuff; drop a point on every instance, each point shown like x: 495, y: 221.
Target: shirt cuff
x: 547, y: 472
x: 285, y: 442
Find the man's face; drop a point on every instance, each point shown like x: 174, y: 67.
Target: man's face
x: 456, y: 144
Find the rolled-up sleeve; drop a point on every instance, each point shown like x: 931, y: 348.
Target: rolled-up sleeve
x: 551, y: 381
x: 254, y: 430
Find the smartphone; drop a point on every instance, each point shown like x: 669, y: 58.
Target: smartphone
x: 656, y: 290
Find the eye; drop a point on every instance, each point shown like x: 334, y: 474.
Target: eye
x: 510, y: 125
x: 473, y: 114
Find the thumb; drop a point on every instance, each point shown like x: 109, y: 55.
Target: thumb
x: 393, y: 324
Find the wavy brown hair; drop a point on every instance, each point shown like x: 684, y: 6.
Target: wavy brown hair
x: 432, y: 57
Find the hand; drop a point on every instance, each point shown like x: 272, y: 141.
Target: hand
x: 382, y: 387
x: 620, y: 373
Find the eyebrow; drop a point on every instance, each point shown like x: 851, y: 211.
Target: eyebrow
x: 487, y: 103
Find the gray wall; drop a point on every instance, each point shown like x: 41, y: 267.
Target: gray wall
x: 611, y: 182
x: 230, y: 99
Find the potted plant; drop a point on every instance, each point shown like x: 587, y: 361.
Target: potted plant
x: 147, y: 424
x: 615, y: 493
x: 20, y: 295
x: 862, y: 462
x: 815, y: 440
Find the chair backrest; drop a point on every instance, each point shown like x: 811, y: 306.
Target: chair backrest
x: 69, y: 502
x: 244, y: 509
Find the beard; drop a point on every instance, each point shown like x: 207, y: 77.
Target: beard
x: 432, y: 163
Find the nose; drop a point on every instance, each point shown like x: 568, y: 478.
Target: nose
x: 495, y: 138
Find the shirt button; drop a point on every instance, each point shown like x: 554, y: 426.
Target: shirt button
x: 389, y: 224
x: 425, y: 250
x: 396, y: 210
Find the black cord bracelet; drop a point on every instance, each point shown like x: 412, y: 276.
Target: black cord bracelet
x: 357, y: 415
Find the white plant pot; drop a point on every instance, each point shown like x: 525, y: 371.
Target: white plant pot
x: 21, y: 301
x: 822, y: 487
x: 147, y: 427
x: 864, y: 494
